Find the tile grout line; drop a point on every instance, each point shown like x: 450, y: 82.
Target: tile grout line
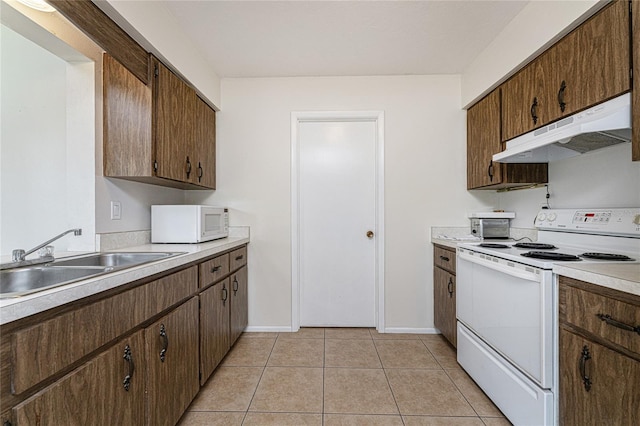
x: 264, y: 368
x: 384, y: 371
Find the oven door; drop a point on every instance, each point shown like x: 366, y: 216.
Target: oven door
x: 510, y: 307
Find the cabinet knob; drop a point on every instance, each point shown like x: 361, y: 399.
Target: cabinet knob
x: 585, y: 356
x: 165, y: 342
x: 188, y: 169
x: 128, y: 356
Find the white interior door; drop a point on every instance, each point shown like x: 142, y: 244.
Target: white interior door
x: 337, y: 208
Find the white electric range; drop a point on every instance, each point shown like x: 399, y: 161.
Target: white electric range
x: 507, y: 304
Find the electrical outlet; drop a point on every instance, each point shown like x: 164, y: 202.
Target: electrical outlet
x: 116, y: 210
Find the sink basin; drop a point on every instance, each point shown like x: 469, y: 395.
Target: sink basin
x: 21, y: 281
x: 18, y: 282
x: 114, y: 260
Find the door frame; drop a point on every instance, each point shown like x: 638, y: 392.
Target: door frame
x: 337, y: 116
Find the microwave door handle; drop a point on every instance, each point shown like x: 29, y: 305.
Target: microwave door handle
x: 499, y: 267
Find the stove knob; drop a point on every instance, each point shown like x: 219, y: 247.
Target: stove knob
x: 636, y: 219
x: 552, y: 217
x: 541, y: 216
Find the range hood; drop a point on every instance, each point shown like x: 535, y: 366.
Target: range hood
x: 603, y: 125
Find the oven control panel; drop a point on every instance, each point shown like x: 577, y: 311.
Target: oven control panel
x: 618, y: 221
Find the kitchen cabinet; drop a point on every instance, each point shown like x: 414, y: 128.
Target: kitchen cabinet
x: 214, y: 327
x: 444, y: 292
x: 483, y: 140
x: 599, y: 355
x: 635, y: 96
x: 172, y: 365
x: 223, y: 307
x: 108, y: 389
x: 586, y: 67
x: 161, y: 133
x: 239, y: 304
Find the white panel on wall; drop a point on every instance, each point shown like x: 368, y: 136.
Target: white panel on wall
x: 46, y: 122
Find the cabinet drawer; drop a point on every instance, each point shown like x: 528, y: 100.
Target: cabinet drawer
x: 444, y: 258
x: 238, y: 258
x: 585, y: 309
x: 214, y: 269
x: 169, y: 290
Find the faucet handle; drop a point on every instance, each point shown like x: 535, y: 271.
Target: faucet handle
x: 46, y: 251
x: 17, y: 255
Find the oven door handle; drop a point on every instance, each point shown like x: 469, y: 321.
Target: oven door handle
x: 500, y: 267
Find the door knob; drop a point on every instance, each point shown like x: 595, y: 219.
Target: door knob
x: 369, y: 234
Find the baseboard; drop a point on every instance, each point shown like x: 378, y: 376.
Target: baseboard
x: 408, y: 330
x: 267, y: 329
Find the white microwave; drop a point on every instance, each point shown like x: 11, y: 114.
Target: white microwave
x: 188, y: 223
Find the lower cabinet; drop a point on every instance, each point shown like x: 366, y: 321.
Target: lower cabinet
x: 599, y: 355
x: 444, y: 313
x: 444, y: 292
x: 214, y: 327
x: 172, y: 364
x: 239, y: 304
x: 108, y: 390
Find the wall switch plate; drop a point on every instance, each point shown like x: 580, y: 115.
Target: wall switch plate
x: 116, y: 210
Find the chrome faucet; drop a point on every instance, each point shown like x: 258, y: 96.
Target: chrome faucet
x: 18, y: 256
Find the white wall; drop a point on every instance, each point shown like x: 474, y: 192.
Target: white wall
x: 47, y: 146
x: 599, y: 179
x: 540, y: 24
x: 425, y: 179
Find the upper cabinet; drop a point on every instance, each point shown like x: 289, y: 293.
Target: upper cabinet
x: 635, y: 98
x: 483, y: 140
x: 588, y: 66
x: 161, y: 133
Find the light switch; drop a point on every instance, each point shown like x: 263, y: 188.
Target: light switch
x: 116, y: 210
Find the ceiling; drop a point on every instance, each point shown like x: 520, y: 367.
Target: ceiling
x: 340, y: 38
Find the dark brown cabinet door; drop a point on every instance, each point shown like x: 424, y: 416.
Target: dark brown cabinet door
x: 483, y: 140
x: 444, y: 294
x: 172, y: 364
x: 174, y: 112
x: 95, y: 393
x: 239, y: 303
x: 214, y: 327
x: 635, y: 96
x: 598, y: 386
x: 127, y: 107
x: 524, y: 104
x: 591, y: 64
x: 205, y: 145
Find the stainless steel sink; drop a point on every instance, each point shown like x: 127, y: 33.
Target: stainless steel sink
x: 18, y: 282
x: 114, y: 260
x: 26, y: 280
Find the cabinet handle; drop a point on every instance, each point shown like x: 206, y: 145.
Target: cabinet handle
x: 129, y: 358
x: 561, y: 101
x: 216, y: 268
x: 445, y: 258
x: 165, y: 342
x: 615, y: 323
x: 188, y: 167
x: 225, y: 294
x: 490, y: 170
x: 235, y: 285
x: 450, y: 287
x: 584, y: 357
x: 239, y: 257
x: 534, y: 110
x: 200, y: 172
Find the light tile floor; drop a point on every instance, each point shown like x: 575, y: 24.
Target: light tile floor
x: 341, y: 377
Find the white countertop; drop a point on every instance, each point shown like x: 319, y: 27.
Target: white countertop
x: 617, y: 276
x: 12, y: 309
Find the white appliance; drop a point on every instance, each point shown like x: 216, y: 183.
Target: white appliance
x: 507, y: 306
x: 603, y: 125
x: 188, y: 223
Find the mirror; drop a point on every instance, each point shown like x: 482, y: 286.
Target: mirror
x: 48, y: 133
